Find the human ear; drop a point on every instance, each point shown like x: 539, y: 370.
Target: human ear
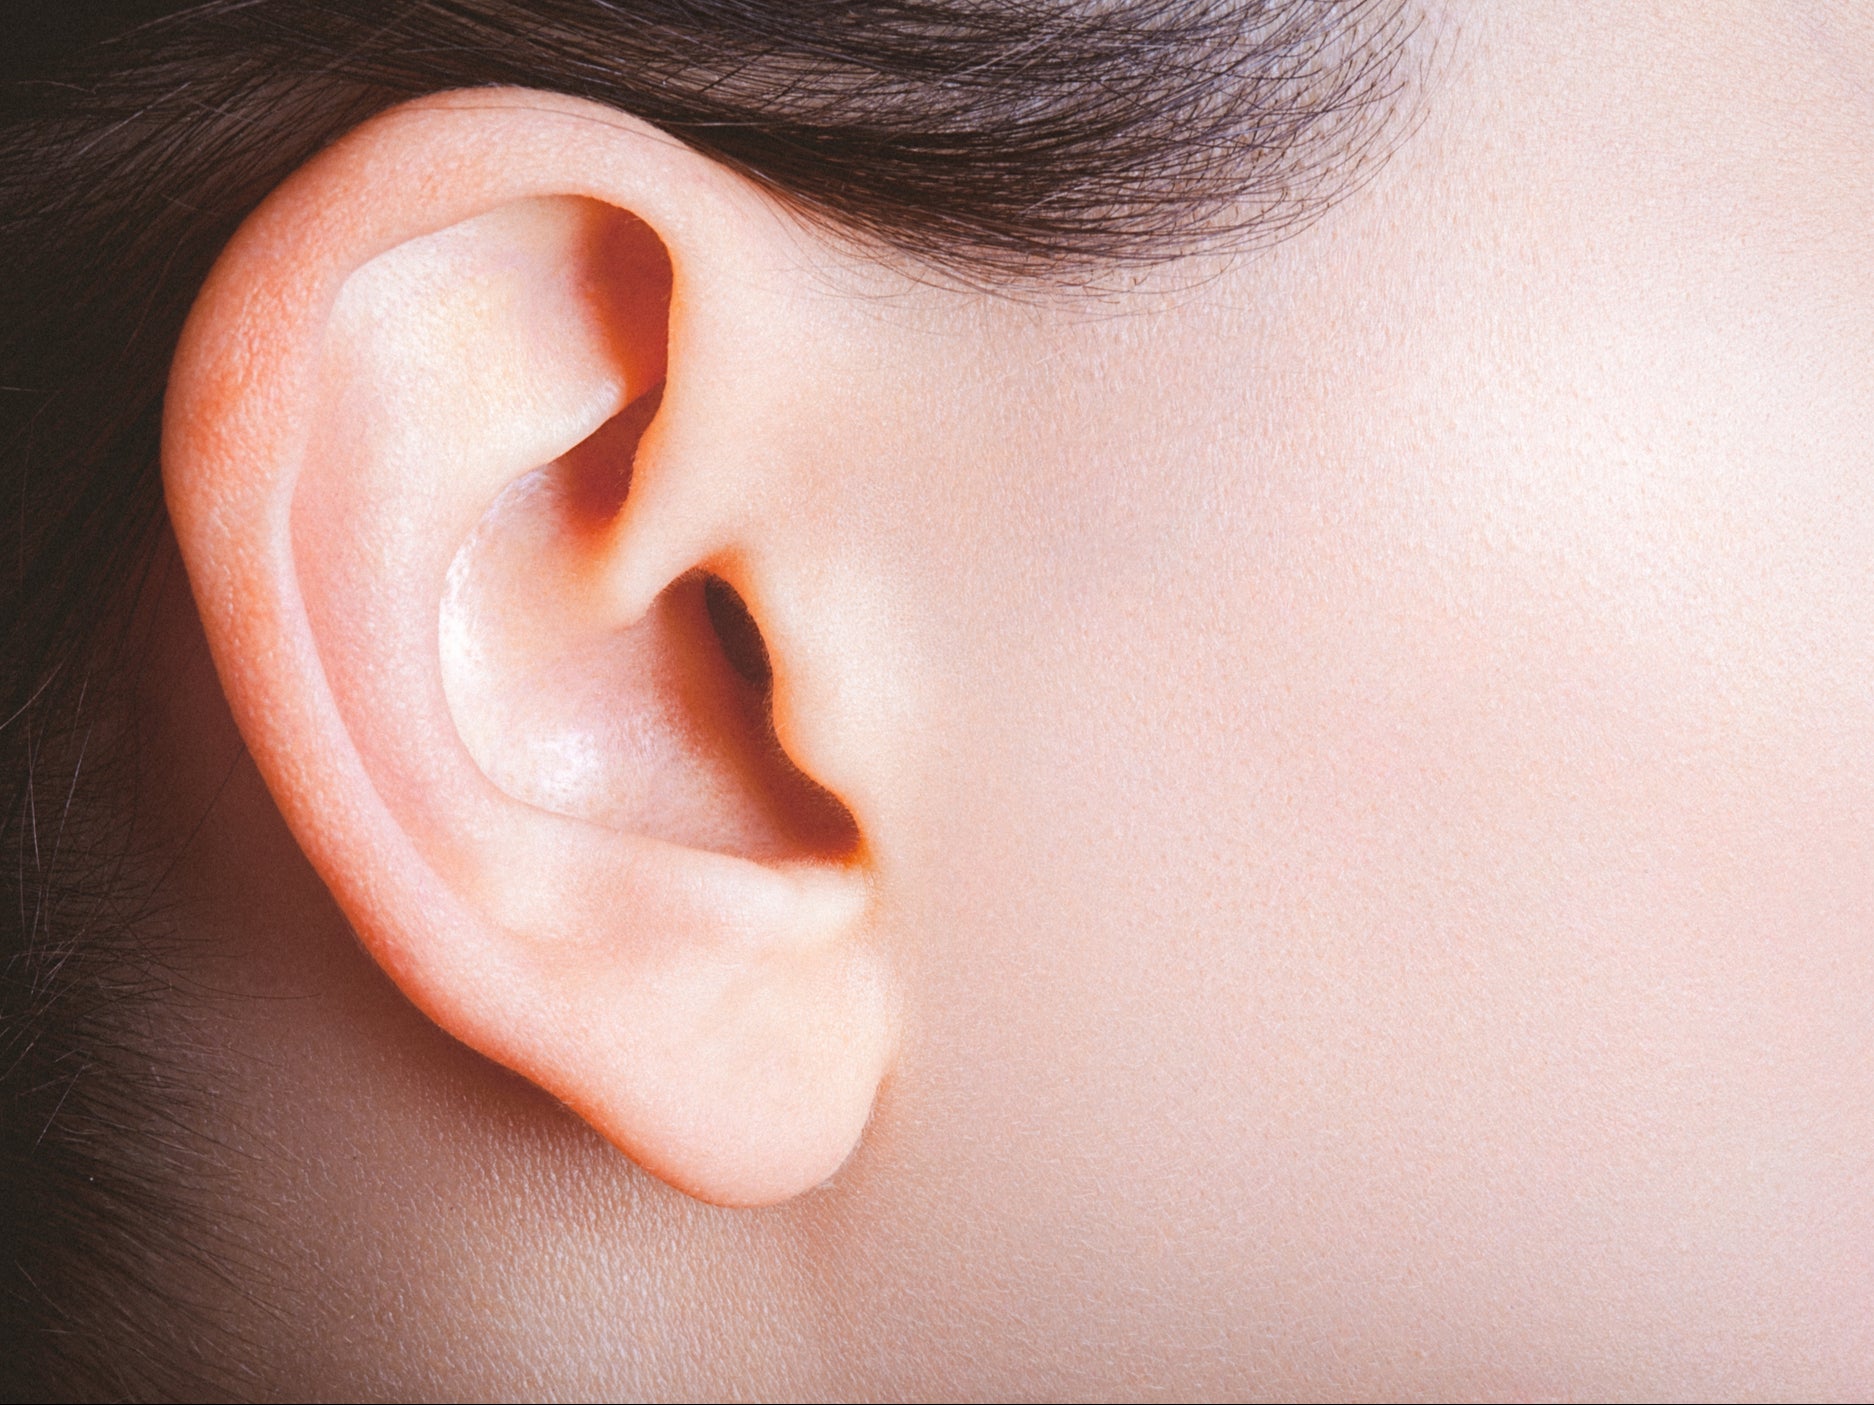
x: 484, y: 586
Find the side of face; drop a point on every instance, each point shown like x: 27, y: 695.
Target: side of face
x: 1357, y: 759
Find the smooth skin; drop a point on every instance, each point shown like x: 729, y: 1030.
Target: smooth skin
x: 1318, y: 830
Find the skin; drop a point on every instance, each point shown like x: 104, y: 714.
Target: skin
x: 1355, y: 865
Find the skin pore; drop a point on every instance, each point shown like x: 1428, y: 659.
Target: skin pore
x: 1357, y: 760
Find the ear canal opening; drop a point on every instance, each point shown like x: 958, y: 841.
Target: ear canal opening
x: 818, y: 811
x: 739, y: 635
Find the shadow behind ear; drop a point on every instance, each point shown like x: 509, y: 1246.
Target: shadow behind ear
x: 399, y: 456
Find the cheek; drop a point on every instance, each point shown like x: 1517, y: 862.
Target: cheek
x: 1370, y: 863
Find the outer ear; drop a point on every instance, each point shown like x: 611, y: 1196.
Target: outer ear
x: 514, y: 713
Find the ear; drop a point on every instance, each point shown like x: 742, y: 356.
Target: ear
x: 487, y: 590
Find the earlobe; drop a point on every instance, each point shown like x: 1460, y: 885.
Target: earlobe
x: 402, y: 432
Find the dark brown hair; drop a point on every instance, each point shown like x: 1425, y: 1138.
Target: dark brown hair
x: 1002, y: 142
